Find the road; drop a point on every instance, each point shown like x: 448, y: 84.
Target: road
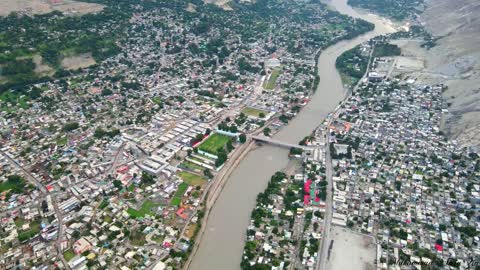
x: 58, y: 214
x: 321, y: 263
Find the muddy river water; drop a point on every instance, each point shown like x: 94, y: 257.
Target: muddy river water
x: 222, y: 244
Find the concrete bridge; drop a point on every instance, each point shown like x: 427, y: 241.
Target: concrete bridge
x: 280, y: 143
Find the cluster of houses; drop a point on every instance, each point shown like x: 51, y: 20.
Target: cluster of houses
x: 110, y: 175
x: 400, y: 180
x: 287, y: 223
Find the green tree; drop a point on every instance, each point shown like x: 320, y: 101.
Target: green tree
x: 266, y: 131
x: 242, y: 137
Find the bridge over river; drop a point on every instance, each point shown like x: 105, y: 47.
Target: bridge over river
x: 280, y: 143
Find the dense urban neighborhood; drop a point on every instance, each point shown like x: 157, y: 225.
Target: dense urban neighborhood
x: 116, y: 164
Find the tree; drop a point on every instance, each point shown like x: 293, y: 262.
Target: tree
x: 266, y: 131
x: 76, y: 234
x: 118, y: 184
x: 242, y: 137
x: 147, y: 179
x: 208, y: 173
x: 70, y: 126
x: 230, y: 146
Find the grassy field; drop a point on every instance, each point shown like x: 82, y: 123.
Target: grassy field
x: 249, y: 111
x: 177, y: 198
x: 214, y: 143
x: 181, y: 190
x: 272, y: 79
x: 192, y: 179
x: 68, y: 255
x: 175, y: 201
x: 191, y: 165
x: 146, y: 209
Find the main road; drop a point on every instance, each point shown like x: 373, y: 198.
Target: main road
x: 222, y: 243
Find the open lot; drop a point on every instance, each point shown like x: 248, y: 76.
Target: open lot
x: 192, y: 179
x: 249, y: 111
x: 214, y: 143
x: 351, y: 251
x: 78, y: 61
x: 46, y: 6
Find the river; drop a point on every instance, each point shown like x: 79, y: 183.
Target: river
x: 222, y: 244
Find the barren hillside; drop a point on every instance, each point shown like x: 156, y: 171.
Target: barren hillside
x: 456, y: 59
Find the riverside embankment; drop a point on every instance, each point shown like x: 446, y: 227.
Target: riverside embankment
x: 221, y: 244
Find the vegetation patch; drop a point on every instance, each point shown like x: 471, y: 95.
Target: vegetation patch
x: 352, y: 65
x: 68, y: 255
x: 254, y: 112
x: 270, y: 84
x: 190, y: 165
x: 386, y: 49
x: 177, y: 197
x: 192, y: 179
x: 146, y: 209
x: 214, y: 143
x: 14, y: 184
x: 30, y: 233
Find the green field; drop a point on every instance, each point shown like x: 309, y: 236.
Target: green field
x: 272, y: 79
x: 249, y: 111
x: 177, y: 197
x: 146, y: 209
x: 181, y: 190
x: 214, y: 143
x: 175, y: 201
x: 68, y: 255
x: 192, y: 179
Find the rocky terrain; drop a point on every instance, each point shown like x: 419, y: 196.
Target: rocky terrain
x: 456, y: 62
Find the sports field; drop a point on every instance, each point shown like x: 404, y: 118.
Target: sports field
x: 214, y: 143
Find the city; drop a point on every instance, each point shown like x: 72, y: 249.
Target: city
x: 120, y: 146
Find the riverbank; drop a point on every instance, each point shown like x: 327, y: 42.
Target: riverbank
x: 222, y: 239
x: 215, y: 191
